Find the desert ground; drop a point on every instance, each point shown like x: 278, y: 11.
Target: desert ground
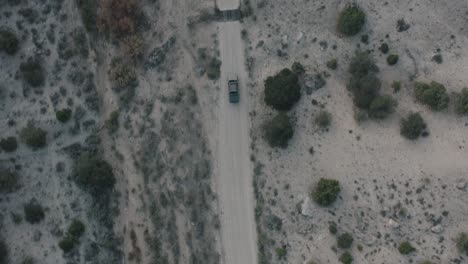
x: 118, y: 144
x: 379, y: 171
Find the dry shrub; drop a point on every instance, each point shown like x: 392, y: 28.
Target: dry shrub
x: 133, y: 47
x: 119, y: 16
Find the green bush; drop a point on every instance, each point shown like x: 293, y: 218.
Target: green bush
x: 33, y: 72
x: 279, y: 131
x: 392, y: 59
x: 298, y: 68
x: 362, y: 64
x: 364, y: 84
x: 281, y: 252
x: 345, y: 240
x: 406, y: 248
x: 63, y: 115
x: 3, y: 252
x: 434, y: 95
x: 332, y: 64
x: 76, y: 229
x: 282, y: 91
x: 325, y: 192
x: 122, y: 75
x: 33, y: 136
x: 351, y: 20
x: 112, y: 124
x: 382, y: 106
x: 426, y: 262
x: 213, y: 70
x: 8, y: 144
x: 323, y: 119
x: 93, y: 174
x: 396, y: 85
x: 28, y: 260
x: 364, y: 90
x: 412, y: 126
x: 461, y: 102
x: 67, y: 243
x: 88, y: 10
x: 33, y: 212
x: 9, y: 43
x: 384, y: 48
x: 8, y: 181
x: 346, y: 258
x: 332, y: 228
x: 462, y: 243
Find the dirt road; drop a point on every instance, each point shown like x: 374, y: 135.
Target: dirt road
x: 227, y: 4
x: 234, y: 177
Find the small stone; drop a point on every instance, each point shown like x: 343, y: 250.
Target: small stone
x: 37, y: 235
x: 306, y: 207
x: 461, y: 185
x: 299, y: 37
x: 437, y: 229
x: 284, y: 41
x: 393, y: 224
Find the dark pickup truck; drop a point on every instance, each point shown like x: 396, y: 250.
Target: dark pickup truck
x: 233, y: 86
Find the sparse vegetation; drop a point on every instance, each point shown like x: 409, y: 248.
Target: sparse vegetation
x: 63, y: 115
x: 8, y: 181
x: 351, y: 20
x: 9, y: 144
x: 346, y: 258
x: 9, y: 43
x: 323, y: 119
x: 325, y: 192
x: 433, y: 95
x: 33, y: 72
x: 282, y: 91
x: 33, y: 136
x: 345, y: 240
x: 406, y: 248
x: 392, y: 59
x: 462, y: 243
x: 461, y: 102
x: 279, y: 131
x: 33, y: 212
x: 93, y: 174
x: 412, y: 126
